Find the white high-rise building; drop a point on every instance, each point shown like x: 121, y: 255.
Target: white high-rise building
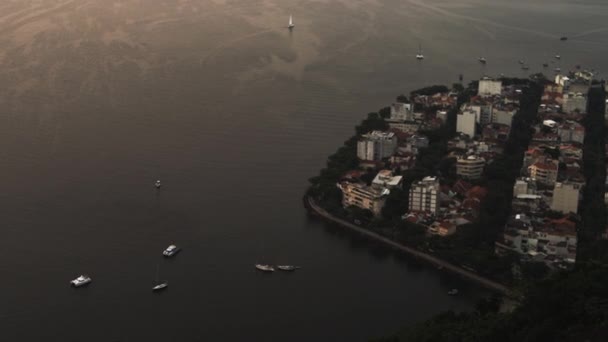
x: 465, y: 122
x: 376, y: 145
x: 424, y: 196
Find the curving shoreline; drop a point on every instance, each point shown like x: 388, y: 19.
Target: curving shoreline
x: 311, y: 205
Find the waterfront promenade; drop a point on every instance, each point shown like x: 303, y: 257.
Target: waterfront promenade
x: 488, y: 283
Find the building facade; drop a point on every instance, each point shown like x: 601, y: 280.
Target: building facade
x: 465, y: 122
x: 363, y: 196
x: 489, y: 87
x: 565, y: 197
x: 402, y: 112
x: 470, y: 167
x: 574, y: 102
x: 376, y: 145
x: 544, y: 171
x: 424, y: 196
x: 571, y: 132
x: 503, y: 116
x: 386, y: 179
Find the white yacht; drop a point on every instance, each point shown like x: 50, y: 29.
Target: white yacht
x: 288, y: 268
x: 82, y: 280
x: 291, y: 24
x: 157, y: 184
x: 482, y: 60
x: 171, y: 251
x: 264, y: 268
x: 453, y: 292
x: 558, y: 56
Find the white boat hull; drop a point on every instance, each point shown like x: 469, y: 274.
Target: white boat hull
x: 264, y: 268
x: 160, y: 287
x: 288, y: 268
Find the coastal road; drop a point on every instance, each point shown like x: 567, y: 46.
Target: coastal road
x: 490, y: 284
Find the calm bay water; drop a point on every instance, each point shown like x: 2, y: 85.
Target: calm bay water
x: 233, y: 113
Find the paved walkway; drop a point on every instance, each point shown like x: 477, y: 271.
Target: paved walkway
x: 490, y: 284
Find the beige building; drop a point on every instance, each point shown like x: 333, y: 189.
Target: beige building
x: 363, y: 196
x: 574, y: 102
x: 503, y: 115
x: 470, y: 167
x: 565, y: 197
x: 465, y: 122
x: 424, y: 195
x: 489, y: 87
x: 544, y: 171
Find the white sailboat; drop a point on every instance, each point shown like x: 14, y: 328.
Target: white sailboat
x: 419, y: 56
x: 291, y: 24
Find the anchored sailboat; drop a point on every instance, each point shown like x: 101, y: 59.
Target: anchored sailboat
x: 291, y: 24
x: 419, y: 56
x: 159, y: 285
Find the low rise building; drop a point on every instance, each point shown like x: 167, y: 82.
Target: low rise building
x: 544, y: 171
x: 489, y: 87
x: 402, y: 112
x: 443, y: 115
x: 404, y: 126
x: 571, y: 131
x: 386, y: 179
x: 470, y: 167
x: 524, y: 186
x: 363, y: 196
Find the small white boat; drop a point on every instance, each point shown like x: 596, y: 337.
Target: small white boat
x: 482, y: 60
x: 558, y: 69
x: 453, y: 292
x: 291, y: 24
x: 160, y: 286
x: 157, y: 184
x: 264, y: 268
x: 419, y: 55
x: 82, y: 280
x: 288, y: 268
x: 171, y: 251
x: 558, y: 56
